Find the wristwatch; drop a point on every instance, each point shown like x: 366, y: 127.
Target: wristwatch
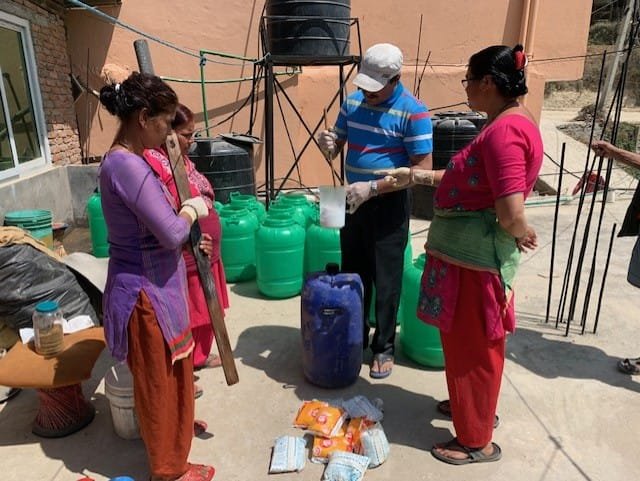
x: 373, y: 188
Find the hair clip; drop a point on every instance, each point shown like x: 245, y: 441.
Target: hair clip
x: 520, y: 59
x: 117, y: 87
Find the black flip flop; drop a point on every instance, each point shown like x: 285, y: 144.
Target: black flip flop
x: 473, y: 455
x: 199, y: 427
x: 629, y: 366
x: 197, y: 392
x: 444, y: 408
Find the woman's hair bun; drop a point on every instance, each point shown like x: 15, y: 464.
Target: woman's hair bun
x: 109, y: 98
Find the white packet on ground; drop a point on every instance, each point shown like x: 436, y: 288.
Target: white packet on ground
x: 375, y: 445
x: 345, y: 466
x: 289, y: 454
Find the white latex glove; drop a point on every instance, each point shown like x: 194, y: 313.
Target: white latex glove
x: 327, y: 142
x: 357, y: 194
x: 195, y: 208
x: 399, y: 177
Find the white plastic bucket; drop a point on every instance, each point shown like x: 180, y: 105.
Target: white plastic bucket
x: 332, y: 206
x: 118, y: 388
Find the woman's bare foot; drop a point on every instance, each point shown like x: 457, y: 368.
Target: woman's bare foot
x: 212, y: 361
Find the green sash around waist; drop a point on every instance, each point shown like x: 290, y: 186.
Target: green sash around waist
x: 475, y: 239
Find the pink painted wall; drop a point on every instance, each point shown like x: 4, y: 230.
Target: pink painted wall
x: 451, y: 31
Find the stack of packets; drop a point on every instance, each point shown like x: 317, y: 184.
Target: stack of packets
x: 347, y: 436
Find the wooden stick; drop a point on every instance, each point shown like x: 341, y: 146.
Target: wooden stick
x: 203, y: 264
x: 328, y: 154
x: 204, y: 268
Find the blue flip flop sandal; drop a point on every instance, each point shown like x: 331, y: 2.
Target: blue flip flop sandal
x: 380, y: 359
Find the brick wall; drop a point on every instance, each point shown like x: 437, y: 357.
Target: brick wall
x: 48, y: 35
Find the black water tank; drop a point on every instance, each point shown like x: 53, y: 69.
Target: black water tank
x: 227, y: 163
x: 323, y: 34
x: 451, y: 132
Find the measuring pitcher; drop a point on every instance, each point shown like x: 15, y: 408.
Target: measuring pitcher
x: 332, y: 206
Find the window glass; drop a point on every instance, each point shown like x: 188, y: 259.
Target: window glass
x: 18, y: 124
x: 6, y: 157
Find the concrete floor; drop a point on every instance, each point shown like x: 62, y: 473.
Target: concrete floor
x: 566, y: 413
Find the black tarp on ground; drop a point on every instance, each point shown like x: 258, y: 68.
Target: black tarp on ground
x: 27, y: 277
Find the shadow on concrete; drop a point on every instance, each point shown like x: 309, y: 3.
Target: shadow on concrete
x: 95, y: 448
x: 247, y: 289
x: 409, y: 414
x: 551, y: 355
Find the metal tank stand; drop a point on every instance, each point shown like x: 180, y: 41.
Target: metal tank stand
x: 273, y: 88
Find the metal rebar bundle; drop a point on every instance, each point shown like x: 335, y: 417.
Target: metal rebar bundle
x: 616, y: 107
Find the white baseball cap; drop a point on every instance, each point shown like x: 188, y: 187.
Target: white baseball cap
x: 380, y: 63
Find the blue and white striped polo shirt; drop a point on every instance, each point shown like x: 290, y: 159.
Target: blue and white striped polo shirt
x: 383, y: 136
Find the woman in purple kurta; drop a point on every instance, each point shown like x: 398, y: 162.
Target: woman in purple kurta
x: 146, y: 318
x: 145, y: 237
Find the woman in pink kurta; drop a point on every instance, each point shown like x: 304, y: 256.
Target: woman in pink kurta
x: 473, y: 248
x: 504, y: 159
x: 201, y: 328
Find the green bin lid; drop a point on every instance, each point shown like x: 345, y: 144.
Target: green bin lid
x: 27, y: 215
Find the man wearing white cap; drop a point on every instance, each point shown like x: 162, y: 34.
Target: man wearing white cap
x: 385, y: 127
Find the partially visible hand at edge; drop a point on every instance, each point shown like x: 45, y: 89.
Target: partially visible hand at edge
x: 527, y: 242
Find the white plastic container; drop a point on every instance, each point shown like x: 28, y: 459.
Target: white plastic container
x: 118, y: 387
x: 332, y: 206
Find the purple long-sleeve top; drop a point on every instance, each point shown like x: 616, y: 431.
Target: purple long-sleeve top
x: 145, y: 239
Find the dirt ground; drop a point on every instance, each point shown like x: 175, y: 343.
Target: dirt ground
x: 576, y: 99
x: 568, y: 100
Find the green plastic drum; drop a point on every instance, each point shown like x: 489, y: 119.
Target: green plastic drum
x: 300, y: 203
x: 419, y: 341
x: 279, y: 256
x: 284, y: 210
x: 238, y: 244
x: 97, y: 226
x: 322, y: 246
x: 250, y: 202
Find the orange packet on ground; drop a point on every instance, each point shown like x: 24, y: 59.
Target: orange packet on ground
x: 320, y: 418
x: 352, y: 432
x: 323, y: 447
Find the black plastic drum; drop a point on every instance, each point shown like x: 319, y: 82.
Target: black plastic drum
x: 451, y: 132
x: 308, y: 29
x: 227, y: 164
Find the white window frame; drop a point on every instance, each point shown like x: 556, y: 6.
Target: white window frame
x: 21, y: 26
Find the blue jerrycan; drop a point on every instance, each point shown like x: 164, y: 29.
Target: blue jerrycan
x: 331, y: 327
